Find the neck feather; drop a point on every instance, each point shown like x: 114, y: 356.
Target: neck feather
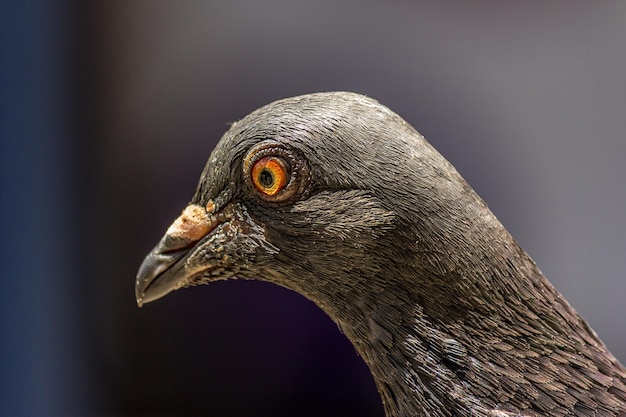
x: 503, y: 343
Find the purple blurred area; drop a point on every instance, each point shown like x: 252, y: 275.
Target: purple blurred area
x: 110, y: 110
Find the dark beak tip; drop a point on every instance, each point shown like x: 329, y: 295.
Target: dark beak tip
x: 148, y: 272
x: 138, y: 295
x: 158, y: 274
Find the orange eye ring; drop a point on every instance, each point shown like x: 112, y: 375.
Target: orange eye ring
x: 270, y: 175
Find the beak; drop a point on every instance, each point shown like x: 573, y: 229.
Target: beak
x: 163, y: 270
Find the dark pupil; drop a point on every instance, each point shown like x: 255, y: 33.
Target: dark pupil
x: 266, y: 178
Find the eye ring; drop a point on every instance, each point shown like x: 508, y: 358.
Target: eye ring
x: 273, y: 173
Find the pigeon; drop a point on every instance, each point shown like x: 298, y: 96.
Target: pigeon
x: 336, y: 197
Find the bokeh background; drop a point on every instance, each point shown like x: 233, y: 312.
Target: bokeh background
x: 110, y: 110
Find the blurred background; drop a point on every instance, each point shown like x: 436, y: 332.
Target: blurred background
x: 109, y: 110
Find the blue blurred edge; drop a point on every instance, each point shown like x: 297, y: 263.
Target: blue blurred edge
x: 42, y: 368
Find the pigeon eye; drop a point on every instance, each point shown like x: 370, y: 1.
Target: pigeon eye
x: 270, y: 175
x: 275, y: 174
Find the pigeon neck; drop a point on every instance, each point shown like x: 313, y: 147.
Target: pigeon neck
x: 481, y: 360
x: 419, y: 368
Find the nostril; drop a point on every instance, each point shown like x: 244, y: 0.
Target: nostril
x: 172, y: 244
x: 192, y: 225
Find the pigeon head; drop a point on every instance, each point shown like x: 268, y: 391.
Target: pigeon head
x: 338, y: 198
x: 324, y: 194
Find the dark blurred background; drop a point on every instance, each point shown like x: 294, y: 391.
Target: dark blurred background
x: 110, y: 110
